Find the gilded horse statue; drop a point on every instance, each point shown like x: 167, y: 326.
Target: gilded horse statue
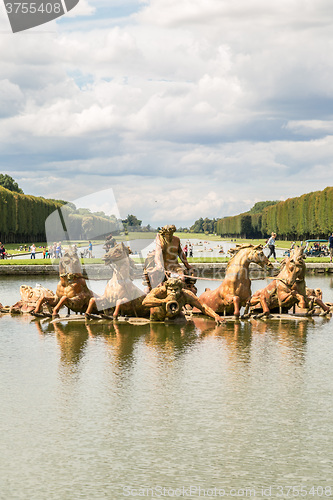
x: 72, y: 290
x: 235, y: 290
x: 287, y: 289
x: 120, y: 296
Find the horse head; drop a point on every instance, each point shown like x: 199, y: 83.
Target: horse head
x: 294, y: 266
x: 116, y: 254
x: 118, y: 259
x: 297, y: 254
x: 70, y: 263
x: 257, y: 256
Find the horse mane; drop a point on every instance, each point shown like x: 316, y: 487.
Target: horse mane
x: 74, y: 266
x: 238, y: 248
x: 116, y: 253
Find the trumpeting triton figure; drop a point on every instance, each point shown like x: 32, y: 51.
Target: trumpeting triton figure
x: 168, y: 300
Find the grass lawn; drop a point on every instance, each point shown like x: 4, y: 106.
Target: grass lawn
x: 42, y: 262
x: 192, y: 260
x: 12, y: 248
x: 212, y: 237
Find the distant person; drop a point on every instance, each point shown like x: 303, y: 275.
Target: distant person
x: 90, y: 247
x: 185, y: 250
x: 2, y: 251
x: 44, y: 252
x: 190, y: 251
x: 33, y: 251
x: 330, y: 246
x: 271, y: 245
x: 110, y: 242
x: 58, y: 250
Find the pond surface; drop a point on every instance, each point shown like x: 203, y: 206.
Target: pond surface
x: 141, y: 247
x: 101, y: 411
x: 201, y: 248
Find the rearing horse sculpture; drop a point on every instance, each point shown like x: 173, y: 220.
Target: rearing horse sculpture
x: 235, y: 290
x: 287, y: 289
x: 121, y: 295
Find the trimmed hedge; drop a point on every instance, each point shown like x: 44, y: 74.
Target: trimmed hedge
x: 22, y: 219
x: 305, y: 217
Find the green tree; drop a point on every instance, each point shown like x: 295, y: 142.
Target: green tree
x: 260, y: 205
x: 8, y: 182
x: 132, y: 221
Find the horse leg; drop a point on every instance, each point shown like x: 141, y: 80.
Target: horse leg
x: 118, y: 304
x: 246, y: 314
x: 280, y: 306
x: 236, y: 301
x: 39, y: 304
x: 265, y: 308
x: 61, y: 302
x: 287, y: 299
x: 91, y: 305
x: 324, y: 307
x: 43, y: 300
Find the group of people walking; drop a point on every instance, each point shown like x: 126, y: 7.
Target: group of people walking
x: 271, y: 245
x: 188, y: 250
x: 52, y: 252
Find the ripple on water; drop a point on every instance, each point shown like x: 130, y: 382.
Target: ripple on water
x: 87, y: 411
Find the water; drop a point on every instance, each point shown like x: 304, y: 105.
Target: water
x: 99, y: 412
x: 141, y: 247
x: 201, y: 248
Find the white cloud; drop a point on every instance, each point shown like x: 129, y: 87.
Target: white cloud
x: 81, y: 9
x: 207, y: 105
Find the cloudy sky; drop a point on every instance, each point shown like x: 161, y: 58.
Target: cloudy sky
x: 184, y: 108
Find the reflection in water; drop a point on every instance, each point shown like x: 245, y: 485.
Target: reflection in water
x: 102, y: 405
x: 71, y: 338
x: 173, y: 340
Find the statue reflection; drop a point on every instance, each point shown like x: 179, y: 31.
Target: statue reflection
x: 121, y: 340
x: 171, y: 338
x: 289, y: 335
x: 160, y: 340
x: 235, y: 335
x: 72, y: 340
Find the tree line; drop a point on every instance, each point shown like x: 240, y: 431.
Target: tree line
x: 22, y: 219
x: 304, y: 217
x: 204, y: 226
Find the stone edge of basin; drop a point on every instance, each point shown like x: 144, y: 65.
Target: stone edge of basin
x: 100, y: 271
